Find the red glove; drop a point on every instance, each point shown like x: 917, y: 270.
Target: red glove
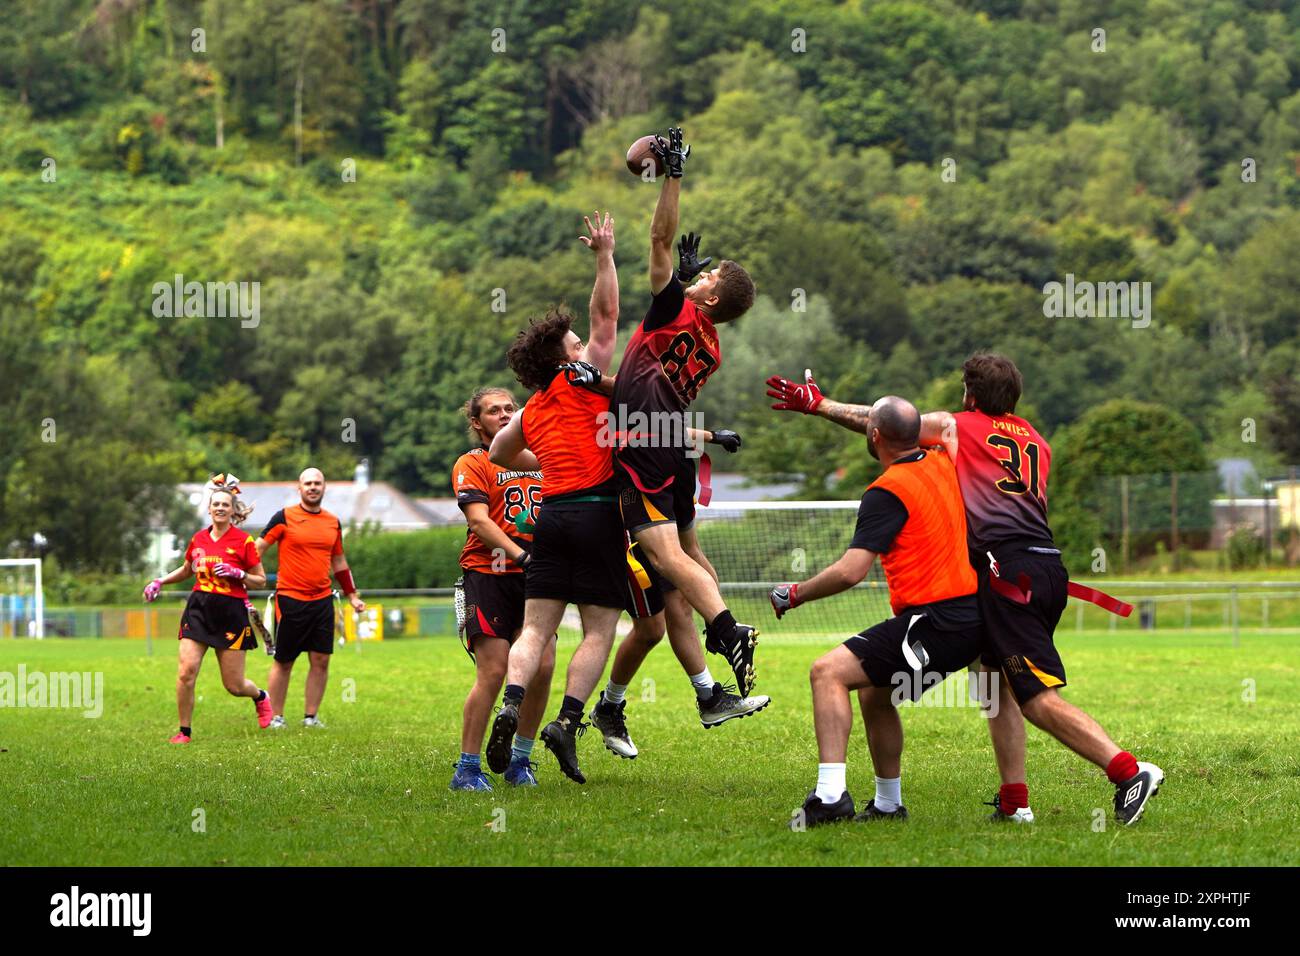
x: 783, y: 598
x: 795, y: 398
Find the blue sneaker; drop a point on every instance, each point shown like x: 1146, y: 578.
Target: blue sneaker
x: 470, y: 778
x: 520, y: 773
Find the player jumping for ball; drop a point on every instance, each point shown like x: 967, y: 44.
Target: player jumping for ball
x: 500, y: 506
x: 667, y: 361
x: 225, y: 564
x: 1002, y: 467
x: 577, y: 555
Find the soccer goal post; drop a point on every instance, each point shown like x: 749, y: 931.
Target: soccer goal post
x: 22, y: 600
x: 754, y: 545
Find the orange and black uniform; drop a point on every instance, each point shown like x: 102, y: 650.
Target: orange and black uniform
x: 667, y: 361
x: 913, y: 517
x: 494, y: 583
x: 216, y: 613
x: 578, y: 551
x: 304, y: 600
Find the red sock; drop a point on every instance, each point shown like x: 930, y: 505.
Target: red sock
x: 1123, y: 767
x: 1013, y: 796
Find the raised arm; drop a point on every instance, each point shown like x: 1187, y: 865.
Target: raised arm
x: 603, y: 310
x: 939, y: 428
x: 808, y: 398
x: 663, y: 227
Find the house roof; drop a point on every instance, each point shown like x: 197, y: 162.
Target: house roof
x: 353, y: 502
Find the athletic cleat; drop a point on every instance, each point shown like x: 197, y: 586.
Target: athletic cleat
x: 814, y: 813
x: 264, y: 712
x: 725, y: 705
x: 313, y: 722
x: 608, y: 719
x: 179, y: 739
x: 1022, y: 814
x: 870, y: 813
x: 520, y: 773
x: 738, y: 649
x: 277, y: 723
x: 470, y: 778
x: 502, y: 738
x: 561, y: 738
x: 1132, y: 795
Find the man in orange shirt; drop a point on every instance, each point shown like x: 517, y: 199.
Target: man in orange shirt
x: 311, y: 549
x: 912, y: 516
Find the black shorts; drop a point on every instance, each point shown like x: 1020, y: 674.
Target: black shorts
x: 578, y: 554
x: 303, y: 626
x: 880, y: 651
x: 655, y: 486
x: 218, y: 620
x: 1020, y: 635
x: 646, y: 589
x: 494, y: 605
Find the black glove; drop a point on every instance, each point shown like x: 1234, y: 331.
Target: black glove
x: 582, y: 374
x: 522, y: 558
x: 727, y: 439
x: 689, y: 264
x: 671, y: 152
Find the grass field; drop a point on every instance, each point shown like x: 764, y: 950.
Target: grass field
x: 372, y: 788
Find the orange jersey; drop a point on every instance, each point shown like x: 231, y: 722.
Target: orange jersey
x: 512, y: 499
x: 235, y: 548
x: 562, y: 425
x: 928, y: 561
x: 308, y: 541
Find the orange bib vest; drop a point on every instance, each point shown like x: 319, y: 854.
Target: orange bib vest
x: 928, y: 561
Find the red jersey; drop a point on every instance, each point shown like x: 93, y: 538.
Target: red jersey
x: 670, y: 356
x: 562, y: 426
x: 1002, y: 465
x: 235, y: 548
x: 512, y: 498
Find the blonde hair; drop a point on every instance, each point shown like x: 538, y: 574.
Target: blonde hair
x: 239, y: 511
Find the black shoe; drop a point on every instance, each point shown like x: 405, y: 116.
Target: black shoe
x: 869, y: 813
x: 503, y: 737
x: 1132, y: 795
x: 814, y: 813
x: 738, y: 649
x: 725, y: 705
x: 561, y: 738
x: 608, y: 719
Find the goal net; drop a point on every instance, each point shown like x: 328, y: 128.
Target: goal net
x: 755, y: 545
x: 22, y: 602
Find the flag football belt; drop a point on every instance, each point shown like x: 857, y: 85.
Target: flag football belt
x: 706, y: 480
x: 1019, y: 592
x: 637, y: 568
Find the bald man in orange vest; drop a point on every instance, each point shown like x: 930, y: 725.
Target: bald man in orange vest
x: 913, y: 519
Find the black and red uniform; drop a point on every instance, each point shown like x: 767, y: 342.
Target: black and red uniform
x: 1002, y: 467
x: 667, y: 361
x: 494, y: 583
x: 216, y: 612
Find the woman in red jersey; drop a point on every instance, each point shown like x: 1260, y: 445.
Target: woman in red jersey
x: 225, y: 563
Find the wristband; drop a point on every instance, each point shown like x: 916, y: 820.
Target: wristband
x: 344, y: 577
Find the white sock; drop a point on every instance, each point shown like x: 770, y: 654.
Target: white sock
x: 830, y: 782
x: 614, y: 693
x: 703, y: 684
x: 889, y: 794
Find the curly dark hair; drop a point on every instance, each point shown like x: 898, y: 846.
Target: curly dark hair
x: 538, y: 349
x: 993, y: 381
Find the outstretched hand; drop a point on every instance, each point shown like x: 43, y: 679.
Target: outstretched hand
x: 601, y: 238
x: 793, y: 397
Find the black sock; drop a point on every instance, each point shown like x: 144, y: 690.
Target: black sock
x: 722, y: 624
x: 186, y: 731
x: 261, y: 696
x: 514, y: 694
x: 308, y: 716
x: 571, y: 707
